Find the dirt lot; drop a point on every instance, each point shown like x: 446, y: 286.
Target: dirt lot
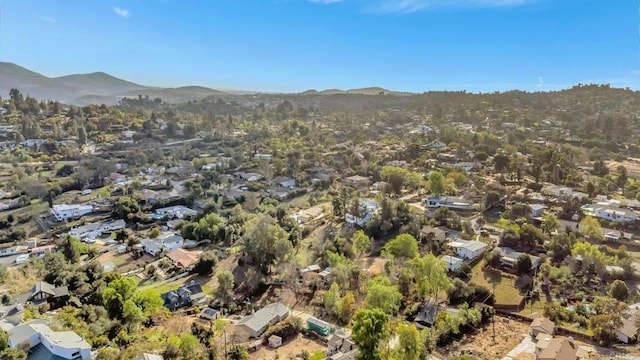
x: 509, y: 333
x: 288, y: 350
x: 632, y: 165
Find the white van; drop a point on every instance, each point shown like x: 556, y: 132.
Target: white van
x: 86, y: 192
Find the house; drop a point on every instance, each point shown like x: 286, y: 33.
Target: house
x: 541, y: 325
x: 341, y: 346
x: 182, y: 258
x: 257, y: 323
x: 453, y: 263
x: 628, y: 333
x: 177, y: 212
x: 86, y: 231
x: 274, y: 341
x: 43, y: 292
x: 187, y: 295
x: 319, y: 326
x: 12, y: 314
x: 436, y: 233
x: 427, y: 315
x: 40, y: 251
x: 209, y: 313
x: 167, y: 242
x: 367, y: 209
x: 451, y: 202
x: 510, y: 257
x: 556, y: 348
x: 113, y: 225
x: 613, y: 213
x: 434, y: 145
x: 285, y: 182
x: 308, y: 215
x: 63, y: 211
x: 468, y: 250
x: 311, y: 268
x: 357, y: 181
x: 39, y: 338
x: 536, y: 210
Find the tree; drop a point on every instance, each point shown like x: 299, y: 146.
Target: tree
x: 71, y: 249
x: 332, y: 298
x: 590, y: 227
x: 501, y: 162
x: 265, y: 242
x: 239, y: 352
x: 124, y: 301
x: 346, y: 307
x: 493, y: 258
x: 619, y: 290
x: 381, y: 294
x: 523, y: 264
x: 125, y: 207
x: 607, y: 318
x: 361, y: 242
x: 370, y: 327
x: 550, y: 223
x: 402, y: 246
x: 410, y: 343
x: 226, y: 284
x: 436, y: 183
x: 430, y: 276
x: 206, y: 263
x: 491, y: 198
x: 560, y: 246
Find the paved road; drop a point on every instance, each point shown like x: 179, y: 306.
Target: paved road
x: 8, y: 260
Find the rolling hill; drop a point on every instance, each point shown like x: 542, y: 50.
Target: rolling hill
x: 83, y: 89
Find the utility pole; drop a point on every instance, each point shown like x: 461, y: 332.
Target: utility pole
x: 226, y: 353
x: 493, y: 316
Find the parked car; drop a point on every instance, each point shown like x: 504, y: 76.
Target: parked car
x: 22, y: 258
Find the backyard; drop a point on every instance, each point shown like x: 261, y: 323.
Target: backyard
x: 505, y: 289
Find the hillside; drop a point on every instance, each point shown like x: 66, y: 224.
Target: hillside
x: 83, y: 89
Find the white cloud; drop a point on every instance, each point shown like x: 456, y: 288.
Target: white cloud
x: 47, y: 19
x: 409, y: 6
x: 325, y: 1
x: 122, y: 12
x: 540, y: 82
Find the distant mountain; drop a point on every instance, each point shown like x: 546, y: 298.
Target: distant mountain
x: 362, y: 91
x: 98, y: 83
x: 93, y: 88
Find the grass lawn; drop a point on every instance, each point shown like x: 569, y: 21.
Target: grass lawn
x: 506, y: 292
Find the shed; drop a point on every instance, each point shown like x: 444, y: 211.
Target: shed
x: 275, y: 341
x: 318, y: 326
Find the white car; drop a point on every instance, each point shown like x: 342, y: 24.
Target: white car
x: 22, y: 258
x: 90, y: 241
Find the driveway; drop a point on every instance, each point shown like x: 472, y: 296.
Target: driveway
x: 527, y: 345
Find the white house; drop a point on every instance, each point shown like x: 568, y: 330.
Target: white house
x: 452, y: 263
x: 93, y: 230
x: 468, y: 250
x: 63, y: 344
x: 435, y: 145
x: 510, y: 257
x: 177, y: 212
x: 613, y: 213
x: 86, y: 231
x: 451, y: 202
x: 368, y: 208
x: 166, y: 242
x: 63, y: 211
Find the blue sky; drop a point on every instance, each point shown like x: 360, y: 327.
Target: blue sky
x: 294, y: 45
